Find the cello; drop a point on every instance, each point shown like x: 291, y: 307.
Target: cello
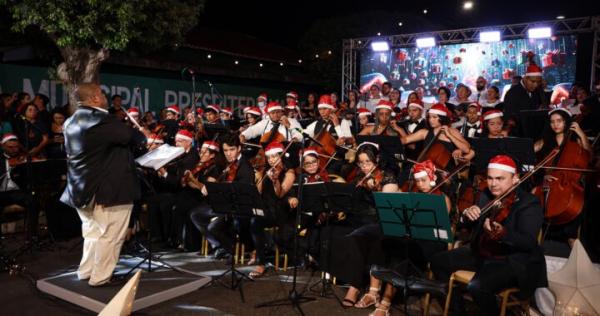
x: 563, y: 200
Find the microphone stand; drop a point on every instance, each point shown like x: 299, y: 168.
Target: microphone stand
x: 294, y: 298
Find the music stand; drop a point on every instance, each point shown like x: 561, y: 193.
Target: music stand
x: 325, y: 197
x: 213, y: 129
x: 389, y: 147
x: 533, y: 123
x: 411, y: 216
x: 235, y: 199
x: 520, y: 149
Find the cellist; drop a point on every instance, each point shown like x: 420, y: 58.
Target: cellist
x: 560, y: 123
x: 504, y: 251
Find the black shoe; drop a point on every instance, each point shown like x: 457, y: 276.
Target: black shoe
x: 115, y: 280
x: 221, y: 253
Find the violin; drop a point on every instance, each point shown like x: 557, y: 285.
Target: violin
x: 376, y: 175
x: 230, y: 172
x: 17, y: 160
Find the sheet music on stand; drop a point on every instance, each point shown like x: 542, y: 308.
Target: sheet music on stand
x: 160, y: 156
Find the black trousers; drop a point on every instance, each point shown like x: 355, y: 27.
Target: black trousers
x: 160, y: 207
x: 491, y: 277
x: 214, y: 227
x: 283, y: 237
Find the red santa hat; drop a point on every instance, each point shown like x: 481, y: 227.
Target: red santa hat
x: 492, y: 114
x: 292, y: 94
x: 227, y: 110
x: 133, y: 111
x: 416, y: 104
x: 384, y: 104
x: 212, y: 145
x: 213, y: 107
x: 8, y: 137
x: 184, y: 134
x: 254, y: 110
x: 292, y: 105
x: 274, y: 148
x: 273, y: 106
x: 475, y: 105
x: 439, y: 109
x: 533, y: 70
x: 173, y: 109
x: 262, y: 97
x: 560, y: 109
x: 364, y: 112
x: 503, y: 162
x: 310, y: 151
x: 325, y: 102
x: 199, y: 111
x: 155, y: 139
x: 425, y: 169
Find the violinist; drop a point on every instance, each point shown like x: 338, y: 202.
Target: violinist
x: 154, y: 141
x: 252, y: 115
x: 191, y: 200
x: 361, y: 248
x: 365, y: 118
x: 504, y: 250
x: 168, y: 184
x: 292, y: 111
x: 237, y: 169
x: 212, y: 112
x: 384, y: 125
x: 494, y: 125
x: 274, y: 188
x: 439, y: 130
x: 560, y: 124
x: 226, y: 114
x: 472, y: 126
x: 420, y: 252
x: 276, y: 125
x: 134, y: 113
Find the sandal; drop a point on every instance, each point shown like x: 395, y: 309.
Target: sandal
x: 375, y: 298
x: 384, y: 306
x: 252, y: 260
x: 256, y: 274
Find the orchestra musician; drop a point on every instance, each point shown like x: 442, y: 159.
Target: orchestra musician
x: 504, y: 251
x: 170, y: 124
x: 274, y: 188
x: 494, y: 125
x: 12, y: 155
x: 384, y: 125
x: 276, y: 124
x: 472, y: 125
x: 414, y: 123
x: 252, y: 115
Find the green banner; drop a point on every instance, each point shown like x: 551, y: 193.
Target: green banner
x: 146, y: 93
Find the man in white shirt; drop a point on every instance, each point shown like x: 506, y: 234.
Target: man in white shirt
x: 481, y: 94
x: 276, y: 122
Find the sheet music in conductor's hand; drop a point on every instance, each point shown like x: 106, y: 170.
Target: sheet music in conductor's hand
x: 160, y: 156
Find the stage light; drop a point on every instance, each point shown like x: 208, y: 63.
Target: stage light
x: 299, y: 61
x: 380, y: 46
x: 489, y: 36
x: 236, y: 62
x: 260, y: 65
x: 425, y: 42
x: 316, y: 55
x: 378, y: 33
x: 209, y: 56
x: 329, y: 52
x: 399, y: 23
x: 468, y: 5
x: 281, y: 64
x: 560, y: 17
x: 539, y: 32
x: 425, y: 11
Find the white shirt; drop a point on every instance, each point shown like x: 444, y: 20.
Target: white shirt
x: 6, y: 183
x: 266, y: 125
x: 342, y: 130
x: 479, y: 96
x: 473, y: 128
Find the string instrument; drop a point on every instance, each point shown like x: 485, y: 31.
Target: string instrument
x: 14, y: 161
x: 564, y: 199
x: 272, y: 169
x: 470, y: 195
x: 327, y: 145
x: 192, y: 174
x: 498, y: 206
x: 229, y: 172
x: 488, y: 247
x: 376, y: 175
x: 434, y: 151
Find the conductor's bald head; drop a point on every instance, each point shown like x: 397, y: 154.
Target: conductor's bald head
x: 90, y: 94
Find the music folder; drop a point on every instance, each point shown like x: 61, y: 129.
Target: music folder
x: 160, y: 156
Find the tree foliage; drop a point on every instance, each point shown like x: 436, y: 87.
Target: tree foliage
x: 108, y: 24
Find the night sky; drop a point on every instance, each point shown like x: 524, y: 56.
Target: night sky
x: 284, y: 22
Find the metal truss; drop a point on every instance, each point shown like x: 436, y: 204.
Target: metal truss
x: 469, y: 35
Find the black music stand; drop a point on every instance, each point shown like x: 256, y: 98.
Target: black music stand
x: 217, y: 129
x: 235, y: 199
x: 412, y: 216
x: 389, y: 148
x: 326, y: 197
x: 532, y: 123
x: 520, y: 149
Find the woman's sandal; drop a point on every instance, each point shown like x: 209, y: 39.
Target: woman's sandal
x: 384, y: 306
x: 252, y: 260
x: 257, y: 274
x: 375, y: 298
x: 350, y: 303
